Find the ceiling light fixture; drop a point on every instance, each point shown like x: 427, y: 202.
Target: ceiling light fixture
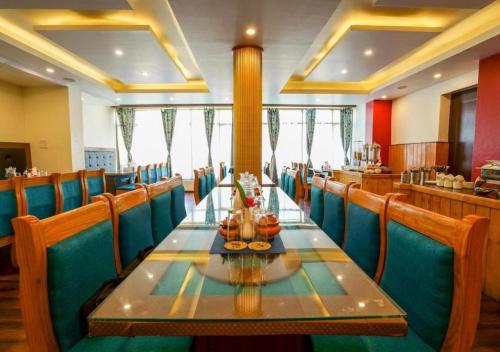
x: 172, y: 98
x: 368, y: 52
x: 118, y: 52
x: 318, y: 100
x: 344, y: 71
x: 50, y: 70
x: 118, y: 99
x: 384, y: 96
x: 226, y: 99
x: 145, y: 74
x: 437, y: 75
x: 251, y: 31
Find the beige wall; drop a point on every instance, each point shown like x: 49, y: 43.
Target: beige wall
x: 11, y: 113
x: 422, y: 116
x: 98, y: 123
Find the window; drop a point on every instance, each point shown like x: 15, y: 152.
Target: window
x: 327, y: 145
x: 189, y: 145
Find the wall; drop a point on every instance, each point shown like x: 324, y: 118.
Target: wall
x: 378, y: 126
x: 487, y: 141
x: 422, y: 116
x: 76, y: 128
x: 98, y: 123
x: 11, y: 113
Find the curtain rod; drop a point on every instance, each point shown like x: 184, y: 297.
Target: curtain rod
x: 229, y: 106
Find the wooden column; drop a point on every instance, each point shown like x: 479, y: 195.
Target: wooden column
x: 247, y: 110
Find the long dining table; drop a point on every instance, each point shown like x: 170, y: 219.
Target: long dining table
x: 228, y: 181
x: 182, y: 289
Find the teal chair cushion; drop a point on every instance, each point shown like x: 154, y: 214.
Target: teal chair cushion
x: 133, y: 344
x: 334, y: 217
x: 95, y: 187
x: 152, y: 174
x: 418, y: 275
x: 164, y: 172
x: 130, y: 187
x: 363, y: 238
x: 409, y: 343
x: 309, y: 180
x: 134, y: 232
x: 41, y: 201
x: 317, y: 205
x: 224, y: 171
x: 144, y: 176
x: 202, y: 187
x: 212, y: 175
x: 8, y: 211
x: 290, y: 186
x: 76, y: 268
x: 283, y: 181
x: 72, y: 194
x: 178, y: 205
x: 161, y: 216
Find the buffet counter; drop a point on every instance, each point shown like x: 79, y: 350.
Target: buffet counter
x: 375, y: 183
x: 457, y: 204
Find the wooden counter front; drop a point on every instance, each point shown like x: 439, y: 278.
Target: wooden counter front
x: 375, y: 183
x: 458, y: 204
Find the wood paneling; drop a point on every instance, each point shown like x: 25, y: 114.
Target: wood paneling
x: 458, y: 205
x: 247, y: 110
x: 404, y: 156
x: 375, y: 183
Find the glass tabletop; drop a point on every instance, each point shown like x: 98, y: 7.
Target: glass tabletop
x: 180, y: 280
x: 228, y: 181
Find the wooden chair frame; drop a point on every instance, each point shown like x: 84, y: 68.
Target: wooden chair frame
x: 307, y: 187
x: 39, y: 181
x: 119, y: 204
x: 375, y: 203
x: 13, y: 184
x: 319, y: 182
x: 158, y: 188
x: 467, y: 238
x: 175, y: 181
x: 33, y: 237
x: 196, y: 184
x: 148, y: 169
x: 93, y: 173
x: 138, y: 178
x: 71, y: 176
x: 221, y: 166
x: 298, y: 184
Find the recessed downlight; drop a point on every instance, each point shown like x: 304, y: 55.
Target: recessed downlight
x: 50, y: 70
x: 384, y: 96
x: 172, y: 98
x: 368, y: 52
x: 318, y: 100
x: 226, y: 98
x: 344, y: 71
x: 118, y: 99
x: 437, y: 75
x: 145, y: 73
x: 119, y: 52
x: 251, y: 31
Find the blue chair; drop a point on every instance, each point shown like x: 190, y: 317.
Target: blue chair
x: 293, y: 185
x: 432, y: 270
x: 124, y: 183
x: 335, y: 200
x: 142, y: 174
x: 73, y: 262
x: 40, y: 196
x: 164, y: 170
x: 283, y: 179
x: 317, y: 200
x: 160, y: 196
x: 222, y: 171
x: 10, y: 207
x: 72, y: 193
x: 200, y: 185
x: 131, y: 224
x: 365, y: 230
x: 178, y: 200
x: 152, y: 174
x: 94, y: 182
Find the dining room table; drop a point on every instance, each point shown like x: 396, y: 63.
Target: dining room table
x: 228, y: 181
x: 312, y: 288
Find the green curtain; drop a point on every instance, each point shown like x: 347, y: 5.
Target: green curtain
x: 274, y: 202
x: 273, y: 124
x: 346, y: 132
x: 210, y: 213
x: 209, y: 128
x: 168, y: 118
x: 126, y: 118
x: 310, y: 123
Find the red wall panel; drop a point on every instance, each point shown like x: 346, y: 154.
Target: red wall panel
x: 378, y: 126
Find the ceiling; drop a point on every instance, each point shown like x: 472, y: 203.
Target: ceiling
x: 177, y: 51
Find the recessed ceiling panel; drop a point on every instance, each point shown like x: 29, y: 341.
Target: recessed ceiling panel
x: 142, y: 59
x: 66, y: 4
x: 458, y: 4
x: 348, y: 62
x: 20, y: 78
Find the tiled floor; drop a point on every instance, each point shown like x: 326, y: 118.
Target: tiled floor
x: 13, y: 337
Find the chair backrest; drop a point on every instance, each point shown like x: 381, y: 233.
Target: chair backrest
x: 335, y: 205
x: 222, y: 170
x: 71, y: 190
x: 94, y: 182
x: 160, y: 196
x: 10, y: 207
x: 210, y: 179
x: 317, y: 200
x: 433, y: 270
x: 284, y: 179
x: 142, y: 174
x: 293, y: 185
x: 151, y: 170
x: 178, y: 199
x: 365, y: 234
x: 63, y: 260
x: 164, y: 170
x: 200, y: 185
x: 40, y: 196
x: 131, y: 224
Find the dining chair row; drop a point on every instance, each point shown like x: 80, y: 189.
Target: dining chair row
x: 204, y: 182
x: 45, y: 196
x: 291, y: 183
x: 222, y: 170
x: 69, y: 257
x: 151, y: 173
x: 429, y: 264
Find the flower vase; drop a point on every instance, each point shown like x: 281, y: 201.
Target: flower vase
x: 247, y: 229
